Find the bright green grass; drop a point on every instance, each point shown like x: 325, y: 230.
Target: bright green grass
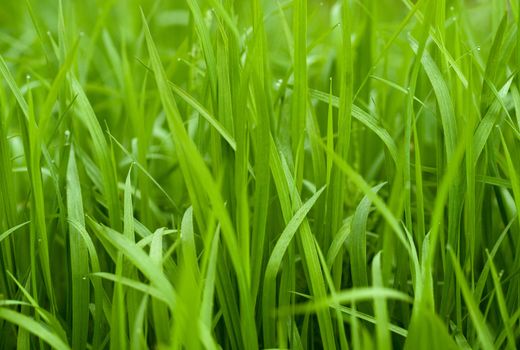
x: 245, y: 174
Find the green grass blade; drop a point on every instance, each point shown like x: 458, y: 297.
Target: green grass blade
x: 359, y: 242
x: 34, y: 327
x: 78, y: 258
x: 475, y: 314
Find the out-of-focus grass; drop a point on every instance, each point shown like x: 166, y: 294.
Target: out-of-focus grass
x: 259, y: 174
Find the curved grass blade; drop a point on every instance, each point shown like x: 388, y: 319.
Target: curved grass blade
x: 275, y: 261
x: 33, y: 327
x: 359, y: 242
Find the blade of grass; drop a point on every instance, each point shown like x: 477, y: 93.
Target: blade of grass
x: 78, y: 257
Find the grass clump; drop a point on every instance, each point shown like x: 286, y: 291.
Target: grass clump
x: 259, y: 174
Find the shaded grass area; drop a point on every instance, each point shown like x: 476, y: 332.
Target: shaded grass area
x: 259, y: 174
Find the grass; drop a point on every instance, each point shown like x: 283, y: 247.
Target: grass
x: 259, y: 174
